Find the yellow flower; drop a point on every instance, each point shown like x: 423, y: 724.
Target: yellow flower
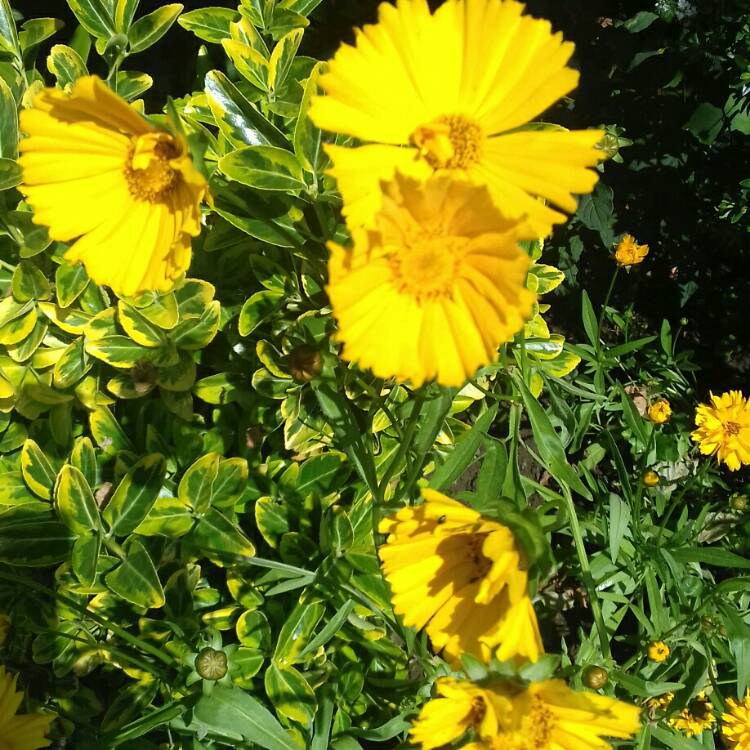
x: 95, y: 170
x: 695, y: 718
x: 550, y: 716
x: 462, y: 706
x: 453, y: 91
x: 660, y: 702
x: 651, y: 478
x: 723, y: 428
x: 660, y: 411
x: 19, y: 732
x: 435, y: 288
x: 658, y: 651
x: 735, y: 724
x: 629, y: 252
x: 461, y: 577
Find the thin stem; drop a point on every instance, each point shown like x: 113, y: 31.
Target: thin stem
x: 588, y: 579
x: 638, y: 500
x: 604, y: 308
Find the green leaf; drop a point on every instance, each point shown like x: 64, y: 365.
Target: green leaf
x: 10, y: 174
x: 70, y: 282
x: 297, y: 631
x: 8, y: 34
x: 548, y: 443
x: 13, y: 491
x: 220, y: 540
x: 124, y: 14
x: 721, y: 558
x: 290, y: 693
x: 66, y: 65
x: 640, y: 21
x: 37, y: 541
x: 596, y: 211
x: 196, y: 485
x: 232, y: 709
x: 216, y: 389
x: 36, y: 30
x: 282, y: 58
x: 84, y: 558
x: 136, y: 579
x: 253, y: 630
x: 94, y: 16
x: 619, y: 523
x: 135, y: 495
x: 259, y: 308
x: 706, y: 122
x: 264, y: 168
x: 75, y: 502
x: 29, y: 283
x: 107, y: 432
x: 230, y: 482
x: 675, y: 740
x: 590, y: 322
x: 193, y: 334
x: 464, y: 452
x: 236, y: 117
x: 250, y: 63
x: 37, y: 471
x: 131, y: 84
x: 329, y: 630
x: 307, y: 137
x: 209, y: 24
x: 148, y: 29
x: 72, y: 365
x: 84, y: 459
x: 8, y: 122
x: 169, y: 516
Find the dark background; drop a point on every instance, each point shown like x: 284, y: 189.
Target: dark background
x: 670, y: 188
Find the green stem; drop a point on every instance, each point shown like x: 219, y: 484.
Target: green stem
x: 588, y: 579
x: 638, y: 500
x: 603, y: 310
x: 678, y: 498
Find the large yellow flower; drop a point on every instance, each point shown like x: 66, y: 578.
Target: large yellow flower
x: 696, y: 717
x: 19, y: 732
x: 453, y: 91
x: 723, y: 428
x: 544, y: 716
x: 461, y: 577
x: 735, y: 724
x: 95, y: 170
x: 435, y: 288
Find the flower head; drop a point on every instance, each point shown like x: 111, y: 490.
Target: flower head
x: 452, y: 91
x: 660, y: 702
x: 461, y: 577
x: 651, y: 478
x: 544, y: 716
x: 735, y: 724
x: 696, y: 717
x: 629, y: 252
x: 96, y: 172
x: 435, y: 288
x: 723, y: 428
x: 660, y: 411
x: 19, y: 731
x: 658, y: 651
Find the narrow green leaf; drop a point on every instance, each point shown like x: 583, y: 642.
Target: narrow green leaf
x: 264, y: 168
x: 148, y: 29
x: 94, y: 16
x: 75, y: 502
x: 209, y: 24
x: 8, y: 122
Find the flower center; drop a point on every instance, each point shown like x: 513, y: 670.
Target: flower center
x: 148, y: 168
x: 538, y: 725
x: 450, y: 142
x: 478, y: 710
x: 732, y: 428
x: 426, y: 267
x: 481, y: 564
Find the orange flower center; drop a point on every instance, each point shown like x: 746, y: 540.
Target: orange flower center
x: 427, y: 266
x: 450, y: 142
x: 732, y: 428
x: 149, y: 169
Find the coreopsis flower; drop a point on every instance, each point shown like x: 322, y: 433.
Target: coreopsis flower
x: 462, y: 578
x: 543, y: 716
x: 723, y: 429
x: 19, y: 731
x: 460, y: 706
x: 96, y: 172
x: 658, y: 651
x: 454, y: 91
x: 435, y: 288
x: 735, y: 724
x: 650, y: 478
x: 629, y: 252
x: 696, y: 717
x: 659, y: 702
x: 660, y: 411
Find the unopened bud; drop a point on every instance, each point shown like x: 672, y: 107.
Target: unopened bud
x: 305, y: 363
x: 595, y: 677
x: 738, y: 502
x: 650, y: 478
x: 211, y: 664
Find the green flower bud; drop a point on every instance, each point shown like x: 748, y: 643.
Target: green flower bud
x: 595, y: 677
x: 211, y: 664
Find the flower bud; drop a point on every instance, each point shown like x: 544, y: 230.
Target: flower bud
x: 595, y: 677
x: 738, y: 502
x: 650, y: 478
x: 305, y: 363
x: 211, y: 664
x: 660, y: 411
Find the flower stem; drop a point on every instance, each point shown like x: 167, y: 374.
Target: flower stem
x: 604, y: 308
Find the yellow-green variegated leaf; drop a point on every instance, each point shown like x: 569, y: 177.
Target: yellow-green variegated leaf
x: 84, y: 557
x: 83, y: 458
x: 562, y: 365
x: 179, y: 377
x: 138, y: 326
x: 219, y: 539
x: 37, y: 470
x: 69, y: 320
x: 136, y: 579
x: 244, y: 31
x: 16, y: 330
x: 160, y: 309
x: 290, y: 693
x: 196, y: 486
x: 105, y: 429
x: 193, y: 334
x: 75, y: 502
x: 209, y: 24
x: 29, y: 283
x: 66, y: 65
x: 282, y: 58
x: 70, y: 282
x: 250, y: 63
x: 170, y: 517
x: 72, y: 365
x: 544, y: 278
x: 545, y: 349
x: 24, y: 350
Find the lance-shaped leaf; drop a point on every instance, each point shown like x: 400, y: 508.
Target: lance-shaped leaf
x: 75, y: 501
x: 37, y: 471
x: 136, y: 579
x: 148, y: 29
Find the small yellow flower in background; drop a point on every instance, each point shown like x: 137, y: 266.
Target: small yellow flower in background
x: 651, y: 478
x: 95, y: 170
x: 723, y: 428
x: 461, y: 577
x: 658, y: 651
x: 461, y: 706
x: 5, y: 623
x: 735, y: 724
x: 453, y: 90
x: 660, y: 702
x: 660, y: 411
x: 19, y: 731
x: 629, y: 252
x: 435, y: 288
x: 543, y: 716
x: 696, y: 717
